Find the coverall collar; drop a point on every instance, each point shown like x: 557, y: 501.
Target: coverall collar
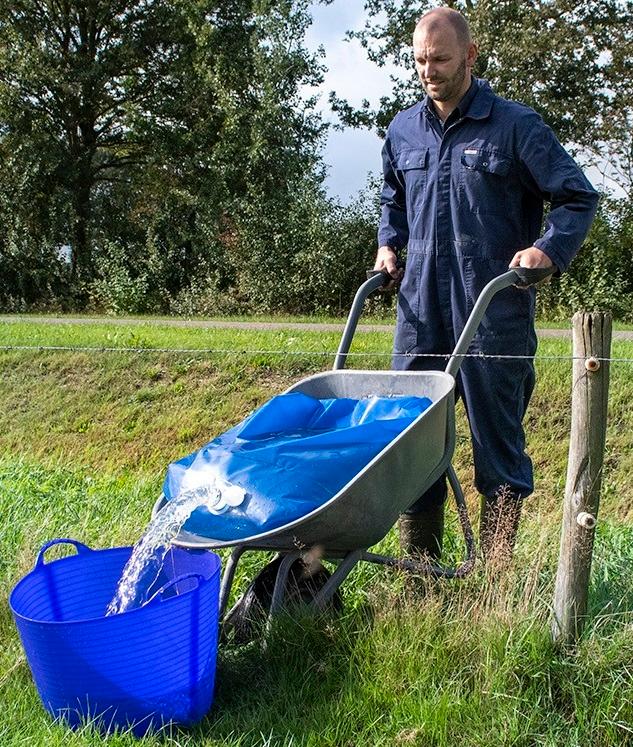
x: 478, y: 106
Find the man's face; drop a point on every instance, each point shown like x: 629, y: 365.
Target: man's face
x: 441, y: 62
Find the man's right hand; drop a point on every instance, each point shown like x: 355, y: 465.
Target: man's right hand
x: 386, y: 261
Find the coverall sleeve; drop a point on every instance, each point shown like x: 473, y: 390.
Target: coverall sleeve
x: 550, y: 171
x: 393, y: 230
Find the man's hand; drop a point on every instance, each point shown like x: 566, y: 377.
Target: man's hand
x: 532, y: 258
x: 386, y: 261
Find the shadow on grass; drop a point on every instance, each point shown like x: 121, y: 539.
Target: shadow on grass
x: 294, y: 677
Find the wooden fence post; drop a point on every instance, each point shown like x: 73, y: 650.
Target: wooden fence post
x: 590, y: 391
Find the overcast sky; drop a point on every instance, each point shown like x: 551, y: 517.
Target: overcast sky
x: 351, y: 154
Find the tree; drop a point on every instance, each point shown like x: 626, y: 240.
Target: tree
x: 156, y: 136
x: 217, y: 194
x: 612, y: 153
x: 70, y: 75
x: 565, y: 58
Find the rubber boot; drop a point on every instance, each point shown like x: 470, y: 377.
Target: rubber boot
x: 421, y: 532
x: 498, y: 526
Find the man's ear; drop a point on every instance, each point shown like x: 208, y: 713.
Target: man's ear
x: 472, y: 54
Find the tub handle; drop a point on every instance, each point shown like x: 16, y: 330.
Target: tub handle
x: 157, y: 596
x: 79, y: 546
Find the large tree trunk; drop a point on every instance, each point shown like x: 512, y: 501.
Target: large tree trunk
x: 82, y: 268
x: 83, y: 144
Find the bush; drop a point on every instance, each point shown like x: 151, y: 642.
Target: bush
x: 120, y: 288
x: 34, y: 275
x: 601, y: 275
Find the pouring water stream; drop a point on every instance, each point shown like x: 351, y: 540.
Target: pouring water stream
x: 211, y: 492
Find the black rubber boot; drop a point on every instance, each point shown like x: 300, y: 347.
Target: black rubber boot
x: 498, y: 526
x: 421, y: 532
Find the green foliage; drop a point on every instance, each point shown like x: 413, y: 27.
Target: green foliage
x: 34, y: 275
x: 217, y: 203
x: 313, y: 261
x: 168, y: 149
x: 117, y: 291
x: 564, y: 58
x: 601, y: 276
x: 73, y: 75
x: 308, y: 256
x: 340, y: 247
x: 155, y: 139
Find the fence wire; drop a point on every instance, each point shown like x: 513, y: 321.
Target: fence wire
x: 320, y: 353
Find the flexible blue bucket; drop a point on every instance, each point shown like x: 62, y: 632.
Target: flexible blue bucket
x: 139, y: 670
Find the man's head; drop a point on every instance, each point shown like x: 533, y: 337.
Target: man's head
x: 444, y: 55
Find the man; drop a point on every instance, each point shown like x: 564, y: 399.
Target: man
x: 465, y: 177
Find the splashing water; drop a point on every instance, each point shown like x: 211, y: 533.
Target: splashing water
x: 142, y: 569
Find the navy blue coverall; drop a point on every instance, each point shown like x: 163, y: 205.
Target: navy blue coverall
x: 463, y: 198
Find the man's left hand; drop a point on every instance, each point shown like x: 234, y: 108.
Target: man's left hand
x: 532, y: 257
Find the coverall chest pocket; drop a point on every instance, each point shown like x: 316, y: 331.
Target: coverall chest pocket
x: 484, y: 181
x: 413, y: 165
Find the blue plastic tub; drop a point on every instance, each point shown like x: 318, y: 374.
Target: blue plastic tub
x: 139, y: 670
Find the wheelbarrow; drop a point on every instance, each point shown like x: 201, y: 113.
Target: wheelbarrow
x: 357, y: 517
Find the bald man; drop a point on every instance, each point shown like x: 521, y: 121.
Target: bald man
x: 466, y: 174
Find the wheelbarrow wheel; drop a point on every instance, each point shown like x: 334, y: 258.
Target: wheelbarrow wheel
x: 246, y: 619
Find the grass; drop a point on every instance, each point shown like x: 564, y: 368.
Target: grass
x: 85, y: 440
x: 377, y: 317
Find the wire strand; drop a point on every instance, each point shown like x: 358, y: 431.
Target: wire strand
x: 322, y: 353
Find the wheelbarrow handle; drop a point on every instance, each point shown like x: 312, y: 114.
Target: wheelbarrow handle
x: 522, y: 277
x: 387, y: 279
x: 375, y: 279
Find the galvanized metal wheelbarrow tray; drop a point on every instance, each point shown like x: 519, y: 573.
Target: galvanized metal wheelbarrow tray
x: 365, y: 509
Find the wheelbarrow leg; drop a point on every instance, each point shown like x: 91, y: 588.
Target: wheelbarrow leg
x: 342, y: 571
x: 279, y: 592
x: 423, y: 566
x: 464, y: 520
x: 227, y: 578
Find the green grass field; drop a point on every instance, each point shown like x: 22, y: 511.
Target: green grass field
x: 85, y: 441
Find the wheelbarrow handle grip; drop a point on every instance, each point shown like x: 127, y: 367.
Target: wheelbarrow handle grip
x: 527, y: 276
x: 386, y: 277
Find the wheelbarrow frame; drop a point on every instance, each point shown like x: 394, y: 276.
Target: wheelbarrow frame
x: 345, y: 558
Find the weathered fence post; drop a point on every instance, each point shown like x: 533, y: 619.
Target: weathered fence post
x: 590, y: 391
